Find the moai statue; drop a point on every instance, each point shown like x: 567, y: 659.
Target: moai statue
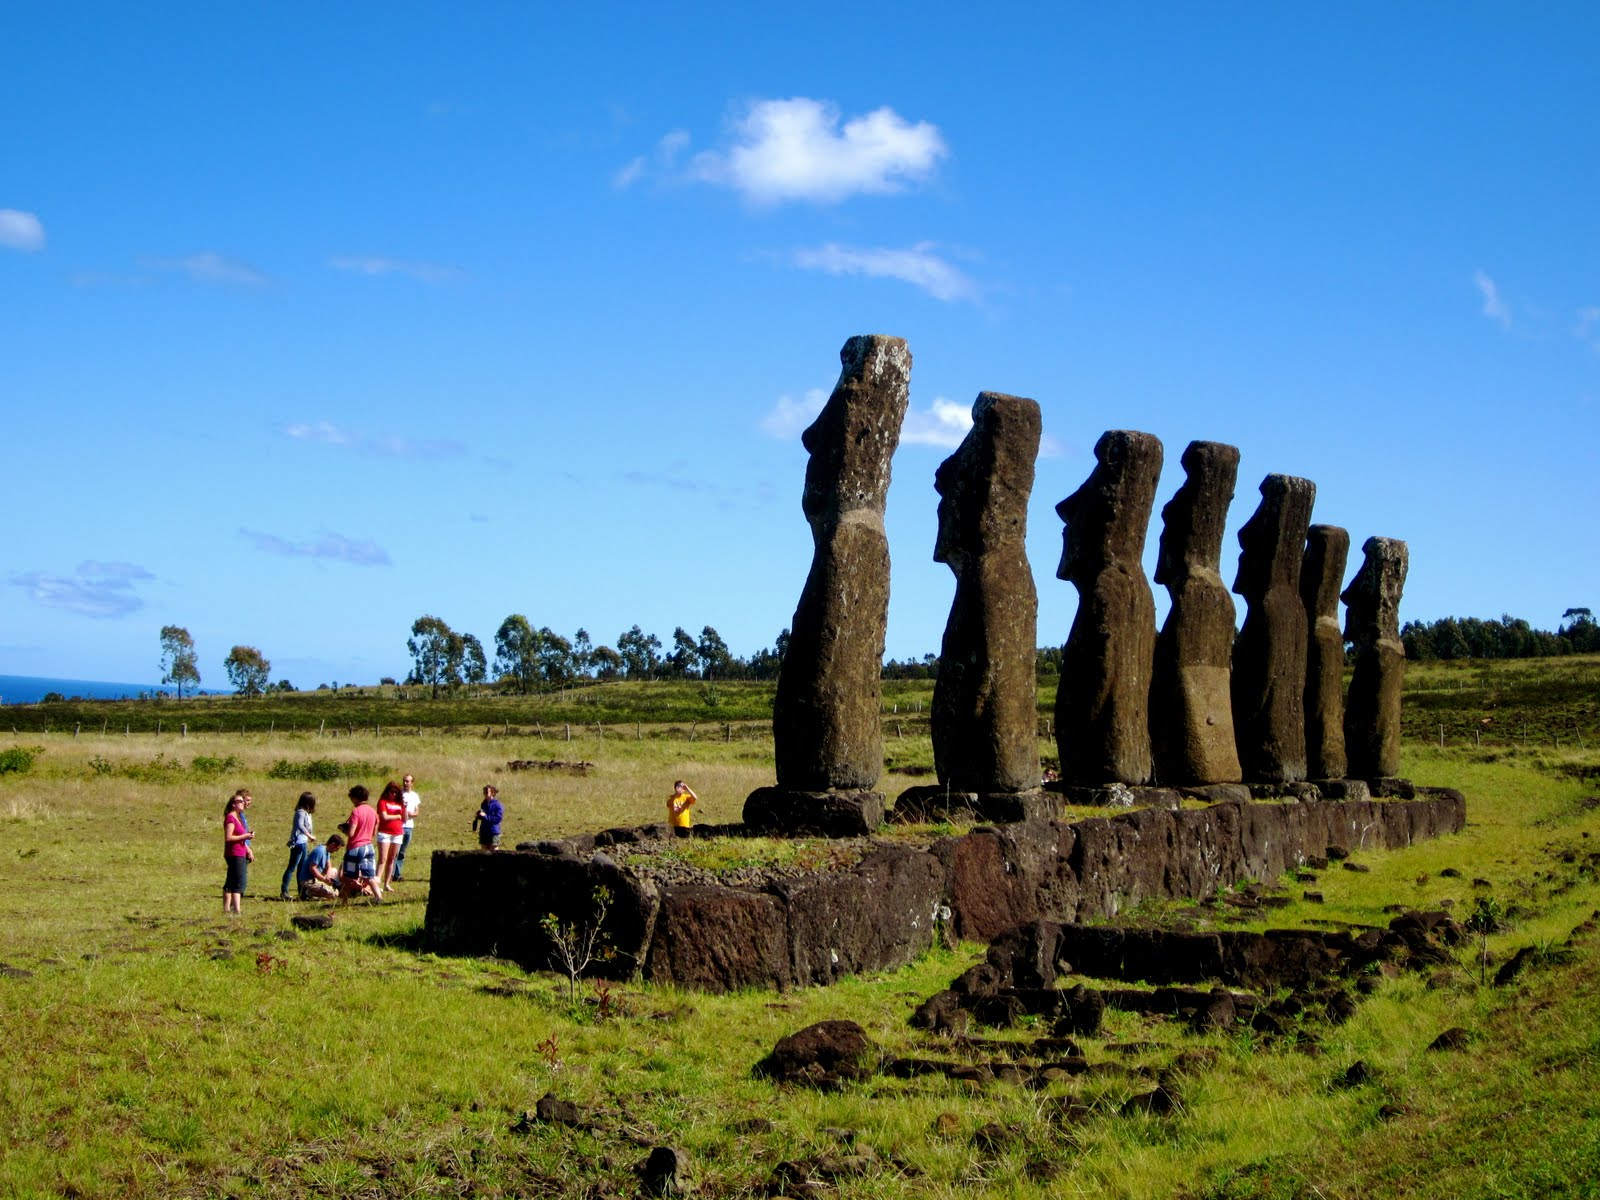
x: 1191, y: 709
x: 1321, y: 572
x: 1372, y: 622
x: 985, y: 721
x: 825, y: 720
x: 1269, y: 656
x: 1103, y: 700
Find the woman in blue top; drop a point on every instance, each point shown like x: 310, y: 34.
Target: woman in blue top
x: 487, y: 822
x: 300, y: 839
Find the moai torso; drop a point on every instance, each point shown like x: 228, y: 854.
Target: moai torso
x: 825, y: 719
x: 1191, y: 714
x: 1321, y: 573
x: 1269, y: 656
x: 1372, y: 615
x: 984, y: 716
x: 1103, y: 700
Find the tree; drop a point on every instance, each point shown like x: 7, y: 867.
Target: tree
x: 714, y: 655
x: 685, y: 653
x: 582, y: 652
x: 516, y: 652
x: 641, y: 653
x: 437, y: 650
x: 248, y: 670
x: 555, y: 657
x: 607, y: 662
x: 475, y: 667
x: 178, y: 659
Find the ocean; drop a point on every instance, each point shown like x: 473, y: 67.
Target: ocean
x: 29, y: 689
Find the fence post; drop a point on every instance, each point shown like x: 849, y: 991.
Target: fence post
x: 77, y: 727
x: 692, y: 728
x: 727, y: 732
x: 320, y: 724
x: 638, y: 731
x: 568, y: 731
x: 1441, y: 737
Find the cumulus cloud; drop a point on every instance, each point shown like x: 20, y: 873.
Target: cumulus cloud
x: 210, y: 267
x: 918, y: 266
x: 388, y: 445
x: 944, y: 424
x: 21, y: 230
x: 332, y: 546
x: 797, y: 149
x: 95, y: 589
x: 1493, y: 307
x: 377, y: 265
x: 789, y: 417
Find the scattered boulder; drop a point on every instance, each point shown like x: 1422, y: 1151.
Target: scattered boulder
x: 1454, y: 1038
x: 312, y: 921
x: 824, y: 1056
x: 665, y: 1172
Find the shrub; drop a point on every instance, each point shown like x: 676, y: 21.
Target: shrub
x: 324, y: 770
x: 206, y: 764
x: 18, y: 759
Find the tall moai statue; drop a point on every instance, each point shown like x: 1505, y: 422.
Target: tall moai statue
x: 825, y: 720
x: 1372, y: 622
x: 1103, y: 699
x: 1269, y: 656
x: 985, y: 718
x: 1191, y: 709
x: 1321, y: 573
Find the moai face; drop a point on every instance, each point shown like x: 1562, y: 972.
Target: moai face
x: 1372, y: 601
x: 947, y: 545
x: 821, y: 493
x: 1177, y: 532
x: 1107, y: 518
x: 1083, y: 540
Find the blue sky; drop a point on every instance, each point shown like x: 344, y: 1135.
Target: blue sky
x: 317, y: 318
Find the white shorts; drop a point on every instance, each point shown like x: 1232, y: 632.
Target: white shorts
x: 389, y: 839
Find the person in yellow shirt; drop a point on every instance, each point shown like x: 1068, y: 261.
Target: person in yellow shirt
x: 679, y: 804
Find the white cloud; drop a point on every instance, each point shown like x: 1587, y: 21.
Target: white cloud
x: 918, y: 266
x: 1493, y: 307
x: 389, y: 445
x: 796, y: 150
x: 212, y: 268
x: 1051, y: 446
x: 21, y: 230
x: 789, y: 417
x: 665, y: 157
x: 377, y: 265
x: 944, y: 423
x: 332, y: 546
x: 95, y: 589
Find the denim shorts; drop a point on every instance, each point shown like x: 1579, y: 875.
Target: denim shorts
x: 360, y: 863
x: 238, y: 873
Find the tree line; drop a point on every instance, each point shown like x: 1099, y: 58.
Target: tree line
x: 1509, y: 637
x: 248, y: 669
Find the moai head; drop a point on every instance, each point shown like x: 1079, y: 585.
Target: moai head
x: 1327, y: 547
x: 1107, y: 518
x: 1273, y: 540
x: 1372, y: 601
x: 1193, y: 521
x: 854, y: 436
x: 984, y: 486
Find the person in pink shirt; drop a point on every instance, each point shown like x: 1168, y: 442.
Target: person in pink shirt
x: 391, y: 831
x: 359, y: 871
x: 236, y: 852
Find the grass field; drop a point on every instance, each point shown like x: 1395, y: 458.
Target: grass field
x: 154, y: 1048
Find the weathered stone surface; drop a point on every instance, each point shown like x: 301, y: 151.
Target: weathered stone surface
x: 1191, y: 709
x: 984, y: 717
x: 823, y: 1056
x: 1103, y: 699
x: 1372, y: 622
x: 931, y: 802
x: 1321, y: 573
x: 665, y: 1172
x: 1269, y: 656
x: 722, y: 938
x: 835, y: 813
x: 825, y: 716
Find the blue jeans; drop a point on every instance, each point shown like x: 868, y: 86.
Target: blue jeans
x: 400, y: 856
x: 297, y: 854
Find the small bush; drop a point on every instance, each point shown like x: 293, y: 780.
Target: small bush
x: 324, y: 770
x: 206, y: 764
x: 18, y: 759
x: 159, y: 769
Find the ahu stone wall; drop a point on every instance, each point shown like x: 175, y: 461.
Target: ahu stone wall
x: 812, y: 929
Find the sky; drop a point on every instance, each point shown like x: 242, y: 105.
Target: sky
x: 315, y: 319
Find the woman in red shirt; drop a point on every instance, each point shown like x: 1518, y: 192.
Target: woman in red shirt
x: 236, y: 852
x: 391, y: 831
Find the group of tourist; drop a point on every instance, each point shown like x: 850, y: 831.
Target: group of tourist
x: 374, y: 838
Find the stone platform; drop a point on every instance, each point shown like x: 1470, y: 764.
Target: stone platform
x: 879, y: 902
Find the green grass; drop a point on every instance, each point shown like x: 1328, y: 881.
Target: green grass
x: 153, y: 1052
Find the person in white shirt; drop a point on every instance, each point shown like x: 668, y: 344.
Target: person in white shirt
x: 412, y: 802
